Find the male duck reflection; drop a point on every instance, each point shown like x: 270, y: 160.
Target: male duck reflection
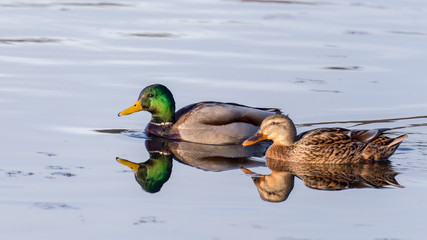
x: 203, y: 122
x: 323, y: 145
x: 277, y: 186
x: 152, y: 174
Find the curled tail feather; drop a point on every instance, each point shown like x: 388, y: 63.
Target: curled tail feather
x: 397, y: 140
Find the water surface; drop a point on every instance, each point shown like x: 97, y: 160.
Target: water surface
x: 68, y: 67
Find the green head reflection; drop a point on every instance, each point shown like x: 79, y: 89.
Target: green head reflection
x: 153, y: 173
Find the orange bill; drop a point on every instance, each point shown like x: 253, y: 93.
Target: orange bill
x: 258, y: 180
x: 247, y: 171
x: 136, y: 107
x: 254, y: 139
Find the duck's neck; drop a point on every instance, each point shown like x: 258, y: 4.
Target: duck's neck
x: 163, y: 118
x: 277, y: 151
x: 159, y: 164
x: 285, y: 141
x: 164, y: 112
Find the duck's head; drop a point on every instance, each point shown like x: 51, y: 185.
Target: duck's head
x: 156, y: 99
x: 276, y: 127
x: 152, y: 174
x: 274, y: 187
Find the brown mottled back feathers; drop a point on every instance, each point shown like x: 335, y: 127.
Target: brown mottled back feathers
x: 366, y: 135
x: 338, y: 145
x: 322, y: 136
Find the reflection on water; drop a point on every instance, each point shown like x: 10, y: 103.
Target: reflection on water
x: 154, y: 172
x: 152, y: 35
x: 344, y: 68
x: 282, y: 1
x: 277, y: 186
x: 28, y: 40
x: 82, y: 4
x: 217, y: 158
x: 364, y: 122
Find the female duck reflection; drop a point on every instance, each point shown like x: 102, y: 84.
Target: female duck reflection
x: 277, y: 186
x: 156, y: 171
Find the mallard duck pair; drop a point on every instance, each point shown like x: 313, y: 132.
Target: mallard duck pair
x: 230, y: 123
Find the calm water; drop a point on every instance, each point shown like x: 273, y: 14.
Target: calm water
x: 68, y: 67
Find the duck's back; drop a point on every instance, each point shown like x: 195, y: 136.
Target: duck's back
x: 381, y: 147
x: 323, y: 145
x: 338, y: 145
x: 324, y: 137
x: 219, y: 123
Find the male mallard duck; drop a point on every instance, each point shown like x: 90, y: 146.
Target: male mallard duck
x: 323, y: 145
x: 203, y: 122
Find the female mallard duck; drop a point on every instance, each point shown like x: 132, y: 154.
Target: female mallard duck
x: 203, y: 122
x: 323, y: 145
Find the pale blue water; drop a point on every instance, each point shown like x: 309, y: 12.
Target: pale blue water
x: 68, y: 67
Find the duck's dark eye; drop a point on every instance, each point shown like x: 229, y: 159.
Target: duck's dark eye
x: 150, y: 95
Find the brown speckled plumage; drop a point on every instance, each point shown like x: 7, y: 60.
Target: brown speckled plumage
x: 277, y: 186
x: 338, y: 177
x: 326, y: 145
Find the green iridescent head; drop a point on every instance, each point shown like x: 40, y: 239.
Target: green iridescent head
x: 156, y: 99
x: 152, y: 174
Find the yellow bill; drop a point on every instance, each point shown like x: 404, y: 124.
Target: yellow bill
x: 131, y: 165
x: 136, y: 107
x: 254, y: 139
